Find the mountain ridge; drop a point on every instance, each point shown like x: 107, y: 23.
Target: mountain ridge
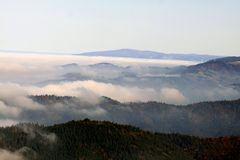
x: 226, y: 64
x: 131, y: 53
x: 206, y: 119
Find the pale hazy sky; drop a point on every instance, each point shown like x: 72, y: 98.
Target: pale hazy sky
x: 179, y: 26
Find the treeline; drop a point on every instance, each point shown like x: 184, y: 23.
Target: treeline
x: 105, y: 140
x: 205, y: 119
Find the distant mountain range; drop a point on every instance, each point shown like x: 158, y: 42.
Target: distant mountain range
x: 130, y: 53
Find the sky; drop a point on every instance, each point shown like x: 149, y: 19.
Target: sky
x: 171, y: 26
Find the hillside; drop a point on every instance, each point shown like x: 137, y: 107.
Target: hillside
x: 104, y: 140
x: 227, y: 65
x: 207, y: 119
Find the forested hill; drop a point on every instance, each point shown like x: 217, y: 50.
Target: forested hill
x: 206, y: 119
x: 95, y: 140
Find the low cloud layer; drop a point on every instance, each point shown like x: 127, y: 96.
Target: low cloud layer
x: 16, y: 95
x: 33, y: 132
x: 8, y: 155
x: 124, y: 80
x: 90, y: 90
x: 16, y: 106
x: 36, y: 68
x: 8, y: 122
x: 36, y: 132
x: 53, y: 60
x: 14, y: 101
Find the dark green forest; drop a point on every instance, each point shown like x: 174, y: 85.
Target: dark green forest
x: 96, y: 140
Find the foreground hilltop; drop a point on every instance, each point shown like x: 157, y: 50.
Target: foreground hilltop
x: 105, y: 140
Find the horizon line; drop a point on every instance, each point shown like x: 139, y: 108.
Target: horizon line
x: 79, y: 52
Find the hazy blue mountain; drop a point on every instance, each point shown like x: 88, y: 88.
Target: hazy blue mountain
x: 130, y: 53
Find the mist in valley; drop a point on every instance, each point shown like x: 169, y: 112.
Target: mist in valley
x: 123, y: 90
